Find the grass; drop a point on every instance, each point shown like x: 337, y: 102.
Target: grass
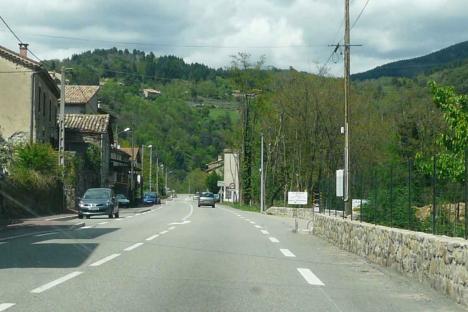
x: 243, y: 207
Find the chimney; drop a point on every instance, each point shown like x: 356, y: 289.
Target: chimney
x: 23, y: 47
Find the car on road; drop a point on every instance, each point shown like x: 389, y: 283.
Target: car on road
x: 123, y: 201
x: 151, y: 198
x: 98, y: 201
x: 217, y: 198
x: 206, y: 199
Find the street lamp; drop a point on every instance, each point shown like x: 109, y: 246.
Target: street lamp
x: 117, y: 136
x: 151, y: 165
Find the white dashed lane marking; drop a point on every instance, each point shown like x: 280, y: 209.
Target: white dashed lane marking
x: 273, y: 239
x: 287, y: 253
x: 133, y: 246
x: 258, y: 226
x: 152, y: 237
x: 56, y: 282
x: 265, y: 232
x: 163, y: 232
x: 104, y: 260
x: 4, y: 306
x: 310, y: 277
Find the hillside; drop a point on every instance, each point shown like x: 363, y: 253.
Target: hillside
x: 448, y: 57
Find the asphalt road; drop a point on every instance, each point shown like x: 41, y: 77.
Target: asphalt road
x: 178, y: 257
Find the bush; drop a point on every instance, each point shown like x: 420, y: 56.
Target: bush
x: 34, y: 166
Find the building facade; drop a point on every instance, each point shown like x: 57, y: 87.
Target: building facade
x: 231, y: 188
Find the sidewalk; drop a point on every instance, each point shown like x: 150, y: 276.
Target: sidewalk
x: 30, y: 226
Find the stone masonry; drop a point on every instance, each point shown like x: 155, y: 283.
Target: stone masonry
x: 440, y: 261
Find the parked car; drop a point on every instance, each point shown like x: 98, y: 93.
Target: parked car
x: 217, y: 198
x: 123, y: 201
x: 151, y: 198
x: 206, y: 199
x: 98, y: 201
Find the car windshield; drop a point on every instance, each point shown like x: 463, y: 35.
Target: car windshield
x: 206, y: 194
x: 120, y: 196
x: 96, y: 194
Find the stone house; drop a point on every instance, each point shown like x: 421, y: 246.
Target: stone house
x: 231, y: 188
x: 151, y: 93
x: 28, y: 99
x: 85, y: 135
x: 81, y: 99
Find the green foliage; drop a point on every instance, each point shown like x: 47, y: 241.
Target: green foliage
x: 35, y: 166
x: 92, y: 160
x: 212, y: 182
x: 453, y: 141
x: 196, y: 181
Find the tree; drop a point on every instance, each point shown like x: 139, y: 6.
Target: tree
x: 212, y: 182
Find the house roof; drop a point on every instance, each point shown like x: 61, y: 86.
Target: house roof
x: 87, y: 123
x: 31, y: 64
x: 128, y: 150
x: 79, y: 94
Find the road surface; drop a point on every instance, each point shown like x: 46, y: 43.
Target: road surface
x: 178, y: 257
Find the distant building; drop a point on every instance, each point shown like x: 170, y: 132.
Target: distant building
x: 81, y: 99
x: 135, y: 158
x: 28, y: 99
x: 231, y: 188
x: 151, y: 93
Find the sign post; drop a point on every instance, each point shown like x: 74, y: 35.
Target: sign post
x: 297, y: 198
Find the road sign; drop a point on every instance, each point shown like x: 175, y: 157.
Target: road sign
x: 339, y: 182
x: 297, y: 198
x: 220, y: 183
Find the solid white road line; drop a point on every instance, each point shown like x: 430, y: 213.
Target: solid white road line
x: 163, y: 232
x: 258, y: 226
x: 273, y: 239
x: 45, y: 234
x: 287, y: 253
x: 56, y: 282
x: 104, y: 260
x: 85, y: 227
x: 4, y: 306
x: 133, y: 246
x: 102, y: 223
x: 189, y: 214
x: 152, y: 237
x: 310, y: 277
x: 171, y: 228
x: 265, y: 232
x: 180, y: 223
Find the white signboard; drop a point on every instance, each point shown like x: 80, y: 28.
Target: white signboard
x: 297, y: 198
x: 339, y: 182
x: 220, y: 183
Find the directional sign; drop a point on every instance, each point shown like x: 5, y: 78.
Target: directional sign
x: 220, y: 183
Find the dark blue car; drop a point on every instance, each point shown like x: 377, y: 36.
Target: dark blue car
x: 151, y: 198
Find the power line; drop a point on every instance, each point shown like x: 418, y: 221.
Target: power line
x: 170, y: 45
x: 360, y: 14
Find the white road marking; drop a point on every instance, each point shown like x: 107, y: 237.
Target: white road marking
x: 171, y: 228
x: 119, y: 219
x: 102, y: 223
x: 129, y: 216
x: 104, y: 260
x: 45, y: 234
x: 310, y: 277
x: 252, y: 222
x: 258, y: 226
x: 163, y: 232
x: 61, y: 217
x: 4, y: 306
x: 273, y: 239
x: 287, y: 253
x: 265, y: 232
x: 180, y: 223
x: 133, y: 246
x: 138, y: 214
x: 85, y: 227
x: 56, y: 282
x: 152, y: 237
x: 189, y: 214
x: 248, y: 220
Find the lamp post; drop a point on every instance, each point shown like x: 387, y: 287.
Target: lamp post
x: 117, y: 136
x: 151, y: 165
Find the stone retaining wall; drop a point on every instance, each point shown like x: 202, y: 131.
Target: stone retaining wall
x: 440, y: 261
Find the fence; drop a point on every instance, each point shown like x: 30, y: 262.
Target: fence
x: 399, y: 195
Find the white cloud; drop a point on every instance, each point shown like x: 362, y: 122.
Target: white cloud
x: 389, y: 30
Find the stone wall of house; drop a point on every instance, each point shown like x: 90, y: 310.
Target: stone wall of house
x: 439, y: 261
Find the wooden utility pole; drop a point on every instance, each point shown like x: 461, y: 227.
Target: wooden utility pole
x: 346, y: 197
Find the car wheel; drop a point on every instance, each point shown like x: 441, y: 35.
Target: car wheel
x: 213, y: 206
x: 116, y: 215
x: 88, y: 217
x: 199, y: 206
x: 80, y: 216
x: 110, y: 216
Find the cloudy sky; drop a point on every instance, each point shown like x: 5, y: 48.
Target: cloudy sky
x: 288, y: 32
